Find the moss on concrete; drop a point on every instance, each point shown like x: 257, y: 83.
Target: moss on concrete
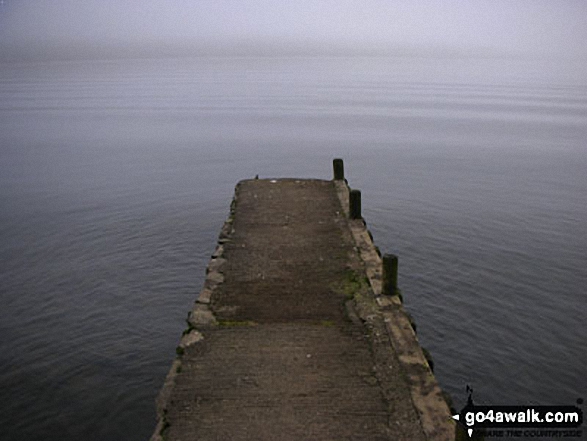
x: 351, y: 284
x: 234, y: 323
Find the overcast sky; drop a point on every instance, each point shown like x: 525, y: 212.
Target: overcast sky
x: 545, y: 28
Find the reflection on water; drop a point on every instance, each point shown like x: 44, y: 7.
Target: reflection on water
x: 115, y: 178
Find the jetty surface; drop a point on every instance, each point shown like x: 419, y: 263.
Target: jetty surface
x: 292, y: 336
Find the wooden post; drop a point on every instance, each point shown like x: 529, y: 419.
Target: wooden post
x: 389, y: 274
x: 355, y: 204
x: 338, y: 166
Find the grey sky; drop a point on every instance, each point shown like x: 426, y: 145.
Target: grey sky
x: 495, y: 27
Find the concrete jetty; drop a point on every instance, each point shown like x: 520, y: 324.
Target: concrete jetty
x: 299, y: 332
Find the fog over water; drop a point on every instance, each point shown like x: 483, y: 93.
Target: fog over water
x: 124, y: 127
x: 69, y: 28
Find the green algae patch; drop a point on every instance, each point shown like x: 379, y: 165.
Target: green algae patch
x: 236, y: 323
x: 351, y: 284
x: 164, y: 427
x: 428, y: 357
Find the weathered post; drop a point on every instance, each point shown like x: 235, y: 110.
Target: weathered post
x: 355, y: 204
x: 390, y: 274
x: 338, y: 166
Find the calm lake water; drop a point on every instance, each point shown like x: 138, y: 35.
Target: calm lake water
x: 116, y: 176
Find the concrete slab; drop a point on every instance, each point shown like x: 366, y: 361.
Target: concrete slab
x: 291, y: 340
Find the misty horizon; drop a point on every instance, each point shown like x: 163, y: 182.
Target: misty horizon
x: 65, y: 29
x: 82, y: 51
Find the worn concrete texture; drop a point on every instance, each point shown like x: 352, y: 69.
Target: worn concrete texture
x: 288, y: 340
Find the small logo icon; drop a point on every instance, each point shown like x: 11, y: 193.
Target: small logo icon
x: 542, y: 420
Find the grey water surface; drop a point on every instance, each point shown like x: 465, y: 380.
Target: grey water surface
x: 116, y: 176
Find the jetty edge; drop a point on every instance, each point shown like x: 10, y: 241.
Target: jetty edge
x: 299, y: 331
